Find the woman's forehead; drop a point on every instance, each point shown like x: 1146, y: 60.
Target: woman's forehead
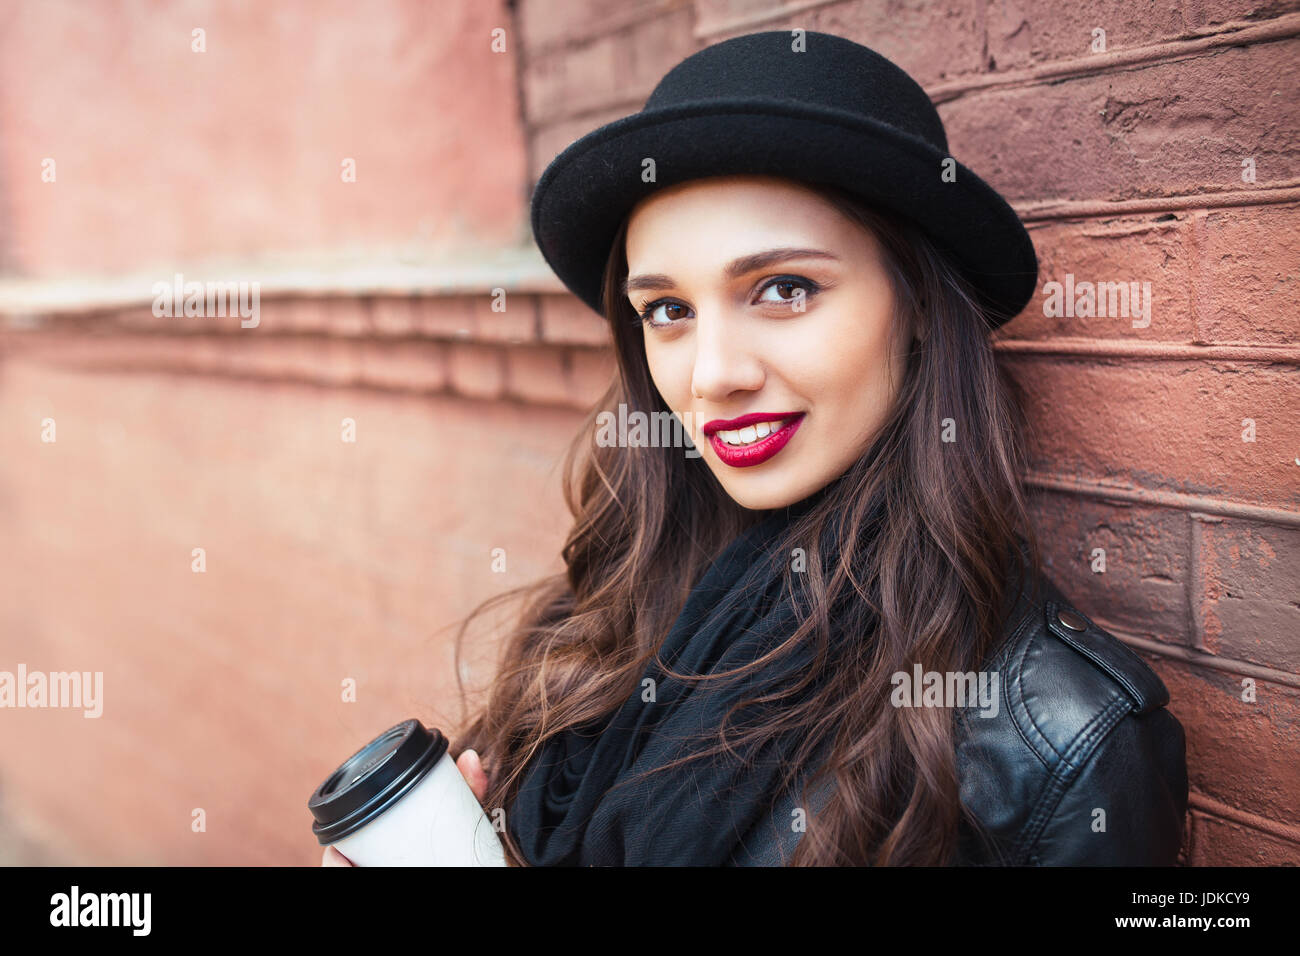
x: 706, y: 221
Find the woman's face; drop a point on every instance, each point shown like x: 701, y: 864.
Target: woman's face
x: 764, y: 302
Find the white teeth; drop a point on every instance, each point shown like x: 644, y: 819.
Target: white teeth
x: 750, y: 433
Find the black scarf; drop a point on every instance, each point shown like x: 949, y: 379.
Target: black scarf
x: 694, y: 814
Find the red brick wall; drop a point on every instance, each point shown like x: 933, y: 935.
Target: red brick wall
x: 328, y: 560
x: 1126, y: 163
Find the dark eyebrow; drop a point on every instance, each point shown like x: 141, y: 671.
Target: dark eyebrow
x: 734, y: 270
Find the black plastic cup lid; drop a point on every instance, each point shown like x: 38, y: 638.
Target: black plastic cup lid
x: 373, y: 779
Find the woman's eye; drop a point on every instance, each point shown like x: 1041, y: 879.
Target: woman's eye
x: 673, y: 311
x: 787, y: 290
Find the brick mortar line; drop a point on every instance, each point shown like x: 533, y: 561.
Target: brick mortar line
x: 1064, y: 210
x: 1099, y: 348
x: 1158, y: 351
x: 1191, y: 656
x: 1164, y: 499
x: 1226, y: 811
x: 1227, y: 35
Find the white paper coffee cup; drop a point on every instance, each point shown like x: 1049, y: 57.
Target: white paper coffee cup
x: 402, y: 801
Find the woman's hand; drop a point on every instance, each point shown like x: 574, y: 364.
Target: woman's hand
x: 471, y: 768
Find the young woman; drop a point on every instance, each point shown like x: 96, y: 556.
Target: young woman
x: 817, y: 632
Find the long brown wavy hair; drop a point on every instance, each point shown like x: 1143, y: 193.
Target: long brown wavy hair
x: 926, y: 582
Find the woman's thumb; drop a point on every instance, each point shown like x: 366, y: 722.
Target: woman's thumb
x: 471, y: 768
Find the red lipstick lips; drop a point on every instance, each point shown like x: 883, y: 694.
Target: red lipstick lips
x: 760, y: 451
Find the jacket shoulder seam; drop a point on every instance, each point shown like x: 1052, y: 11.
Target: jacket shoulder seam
x: 1069, y: 769
x: 1034, y: 629
x: 1111, y: 656
x: 1019, y: 710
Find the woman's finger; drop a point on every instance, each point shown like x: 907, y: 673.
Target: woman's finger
x: 471, y: 767
x: 332, y: 857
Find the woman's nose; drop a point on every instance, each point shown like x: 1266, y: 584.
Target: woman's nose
x: 725, y: 360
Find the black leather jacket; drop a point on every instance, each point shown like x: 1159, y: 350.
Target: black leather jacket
x: 1081, y: 764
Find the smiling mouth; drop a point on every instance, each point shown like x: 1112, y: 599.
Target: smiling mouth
x: 754, y: 444
x: 750, y: 434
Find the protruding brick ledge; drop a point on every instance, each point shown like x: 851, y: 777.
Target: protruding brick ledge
x: 379, y: 273
x: 1206, y: 804
x: 1202, y: 659
x: 536, y: 373
x: 498, y: 326
x: 1164, y: 499
x: 1236, y: 34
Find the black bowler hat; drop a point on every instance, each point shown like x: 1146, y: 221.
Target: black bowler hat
x: 832, y: 112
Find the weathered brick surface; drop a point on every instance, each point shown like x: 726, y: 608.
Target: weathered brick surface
x: 1238, y: 752
x: 419, y: 367
x: 567, y: 319
x: 476, y: 371
x: 1031, y: 32
x: 1166, y: 425
x: 1157, y: 253
x: 393, y: 314
x: 1248, y: 593
x: 514, y: 324
x: 1124, y: 565
x: 1156, y: 129
x: 448, y: 317
x: 1222, y: 842
x: 1247, y: 281
x: 1222, y: 276
x: 932, y: 42
x: 615, y: 68
x: 537, y: 375
x: 1227, y: 586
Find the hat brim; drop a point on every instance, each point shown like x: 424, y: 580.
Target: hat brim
x: 589, y: 188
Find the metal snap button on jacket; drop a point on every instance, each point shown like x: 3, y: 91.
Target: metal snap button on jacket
x: 1071, y: 620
